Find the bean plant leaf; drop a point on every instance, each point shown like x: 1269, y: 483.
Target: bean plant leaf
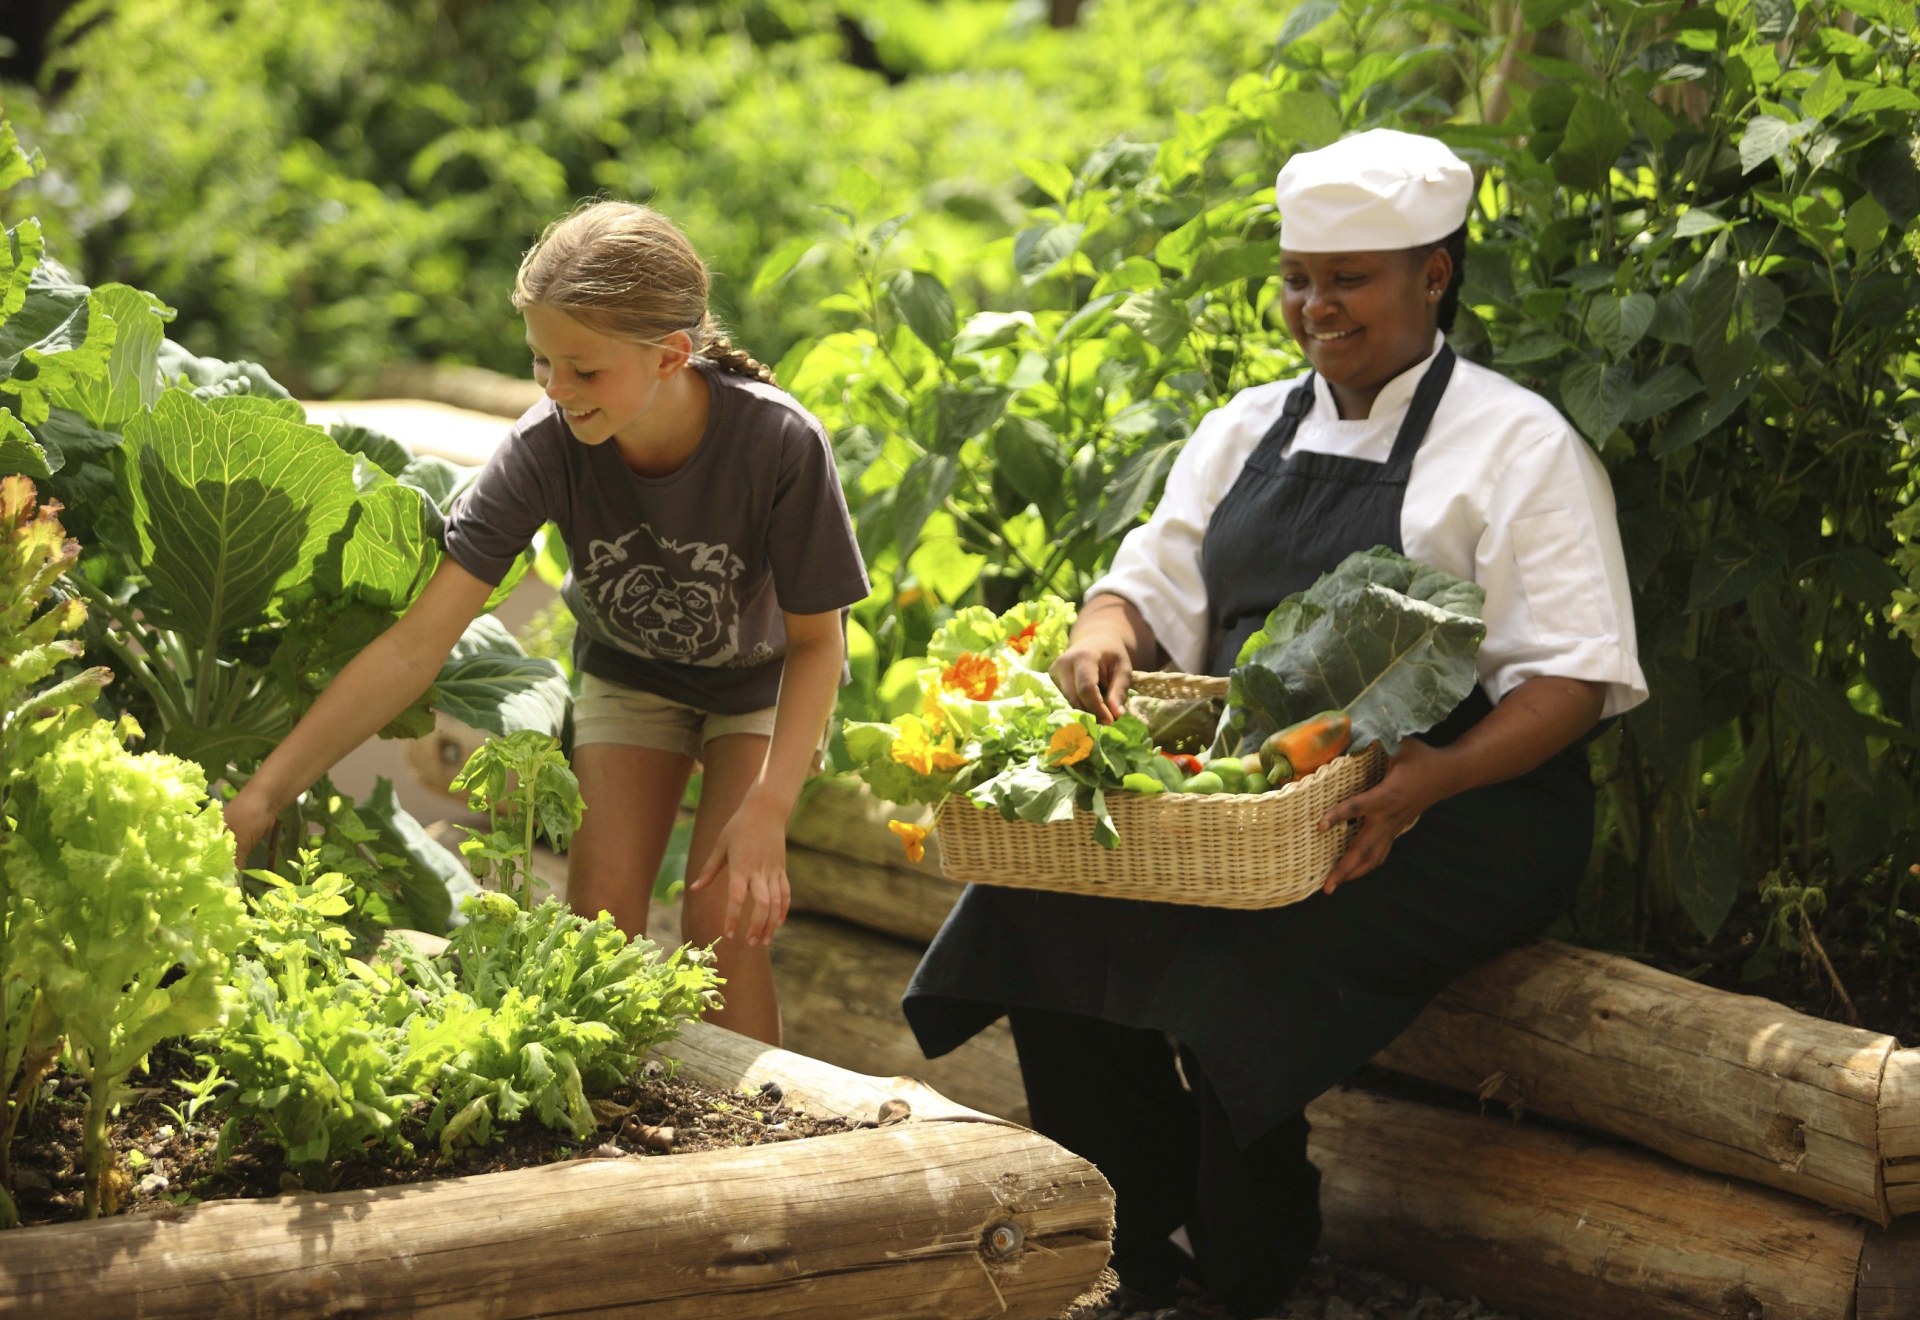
x: 1156, y: 316
x: 1596, y: 136
x: 1703, y: 862
x: 1824, y: 715
x: 1730, y: 568
x: 1136, y: 483
x: 1037, y: 251
x: 1597, y: 397
x: 922, y: 301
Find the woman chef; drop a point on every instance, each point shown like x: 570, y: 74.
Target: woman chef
x: 1176, y: 1046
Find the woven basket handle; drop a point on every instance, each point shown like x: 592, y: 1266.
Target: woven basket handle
x: 1172, y: 686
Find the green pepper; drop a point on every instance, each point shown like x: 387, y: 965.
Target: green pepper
x: 1146, y: 785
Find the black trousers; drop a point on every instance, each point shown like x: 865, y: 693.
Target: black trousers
x: 1113, y: 1095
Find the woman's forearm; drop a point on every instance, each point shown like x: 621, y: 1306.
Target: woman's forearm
x: 1532, y: 723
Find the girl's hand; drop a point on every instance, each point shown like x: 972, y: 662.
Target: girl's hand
x: 1416, y: 778
x: 752, y: 850
x: 248, y: 819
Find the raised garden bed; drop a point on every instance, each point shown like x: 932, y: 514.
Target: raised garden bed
x: 926, y: 1209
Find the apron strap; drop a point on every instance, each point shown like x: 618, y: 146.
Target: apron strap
x: 1413, y: 427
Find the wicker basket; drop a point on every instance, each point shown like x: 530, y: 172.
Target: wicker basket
x: 1235, y: 850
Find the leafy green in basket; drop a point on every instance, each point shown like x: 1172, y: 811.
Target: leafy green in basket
x: 1390, y: 641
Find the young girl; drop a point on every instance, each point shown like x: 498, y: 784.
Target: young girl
x: 711, y: 558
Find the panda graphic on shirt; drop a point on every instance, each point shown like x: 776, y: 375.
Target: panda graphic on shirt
x: 669, y: 600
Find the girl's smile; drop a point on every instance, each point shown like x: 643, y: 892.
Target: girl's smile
x: 637, y: 395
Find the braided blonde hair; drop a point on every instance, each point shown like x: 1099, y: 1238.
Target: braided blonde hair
x: 625, y: 271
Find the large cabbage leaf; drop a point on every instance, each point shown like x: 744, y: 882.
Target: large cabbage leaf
x: 1390, y: 641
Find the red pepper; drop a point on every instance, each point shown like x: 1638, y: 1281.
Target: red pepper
x: 1188, y: 763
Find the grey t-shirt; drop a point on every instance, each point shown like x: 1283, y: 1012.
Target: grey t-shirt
x: 678, y: 582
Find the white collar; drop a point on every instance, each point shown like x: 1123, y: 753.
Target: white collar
x: 1395, y: 397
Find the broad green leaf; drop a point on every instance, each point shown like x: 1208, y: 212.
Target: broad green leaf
x: 380, y: 449
x: 1617, y: 323
x: 922, y: 301
x: 1595, y: 138
x: 958, y: 413
x: 131, y: 380
x: 1596, y: 398
x: 1772, y: 21
x: 1826, y: 94
x: 1231, y: 265
x: 1867, y: 223
x: 1728, y: 569
x: 1306, y: 16
x: 1766, y: 138
x: 231, y: 502
x: 1156, y: 316
x: 1875, y: 99
x: 1391, y: 641
x: 1696, y: 419
x: 58, y: 334
x: 1027, y: 792
x: 924, y: 487
x: 1532, y: 344
x: 20, y: 453
x: 1029, y: 455
x: 985, y: 330
x: 1663, y: 391
x: 434, y: 881
x: 781, y: 261
x: 488, y: 681
x: 16, y: 166
x: 1037, y: 251
x: 1049, y: 176
x: 1703, y: 863
x: 388, y: 553
x: 1136, y: 483
x: 1823, y: 714
x: 1699, y: 221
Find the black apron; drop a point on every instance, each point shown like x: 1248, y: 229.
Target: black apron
x: 1281, y: 1004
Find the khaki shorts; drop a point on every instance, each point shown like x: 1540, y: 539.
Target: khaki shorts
x: 609, y: 713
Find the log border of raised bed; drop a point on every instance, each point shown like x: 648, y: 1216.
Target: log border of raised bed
x: 927, y: 1209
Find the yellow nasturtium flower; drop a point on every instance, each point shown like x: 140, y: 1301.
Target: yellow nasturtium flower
x: 912, y: 837
x: 922, y: 755
x: 973, y: 674
x: 1070, y: 745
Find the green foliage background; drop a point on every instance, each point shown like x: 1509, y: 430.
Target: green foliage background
x: 1012, y: 267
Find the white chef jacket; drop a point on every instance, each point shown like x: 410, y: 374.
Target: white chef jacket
x: 1503, y: 492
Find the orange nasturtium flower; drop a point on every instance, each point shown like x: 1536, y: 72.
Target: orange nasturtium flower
x: 974, y: 675
x: 920, y: 754
x: 1070, y: 744
x: 912, y: 837
x: 1022, y: 641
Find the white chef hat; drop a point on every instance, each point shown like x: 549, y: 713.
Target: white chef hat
x: 1375, y: 191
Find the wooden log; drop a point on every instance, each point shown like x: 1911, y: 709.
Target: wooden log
x: 1900, y: 1131
x: 950, y: 1213
x: 473, y: 388
x: 1890, y: 1273
x: 1569, y: 1228
x: 1724, y: 1082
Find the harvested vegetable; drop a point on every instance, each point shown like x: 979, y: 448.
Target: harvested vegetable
x: 1310, y: 743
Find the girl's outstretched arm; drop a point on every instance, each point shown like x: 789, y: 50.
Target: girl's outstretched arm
x: 376, y: 685
x: 752, y: 850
